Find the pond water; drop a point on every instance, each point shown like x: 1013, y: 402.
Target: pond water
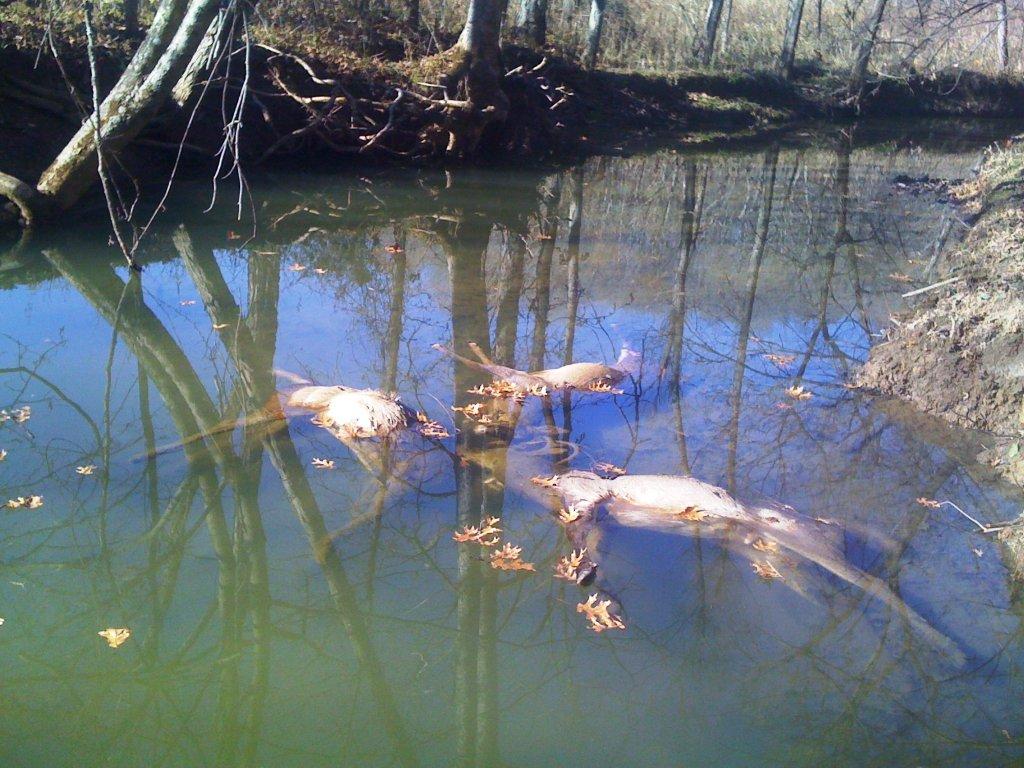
x: 283, y: 614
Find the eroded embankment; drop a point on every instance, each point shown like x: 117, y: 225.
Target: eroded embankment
x: 331, y: 103
x: 959, y: 352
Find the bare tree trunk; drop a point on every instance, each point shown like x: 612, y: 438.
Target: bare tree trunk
x: 860, y: 67
x: 202, y: 60
x: 478, y: 63
x: 533, y: 20
x: 130, y: 9
x: 1004, y: 43
x: 727, y: 27
x: 173, y: 38
x: 594, y: 26
x: 412, y: 14
x: 796, y: 12
x: 127, y: 109
x: 714, y: 16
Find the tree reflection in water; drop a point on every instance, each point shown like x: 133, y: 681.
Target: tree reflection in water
x: 379, y: 640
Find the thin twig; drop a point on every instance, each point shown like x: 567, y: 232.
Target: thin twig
x: 994, y: 528
x: 927, y: 288
x: 98, y: 132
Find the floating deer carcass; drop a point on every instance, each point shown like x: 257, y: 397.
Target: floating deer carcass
x: 587, y: 377
x: 349, y: 414
x: 764, y: 533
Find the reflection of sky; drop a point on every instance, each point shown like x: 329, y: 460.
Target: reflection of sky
x: 717, y: 668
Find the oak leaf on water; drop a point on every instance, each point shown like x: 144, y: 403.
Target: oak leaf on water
x: 115, y: 636
x: 26, y: 502
x: 797, y: 392
x: 599, y: 615
x: 434, y: 429
x: 569, y: 515
x: 568, y: 566
x: 766, y: 570
x: 323, y: 463
x: 693, y: 514
x: 485, y: 534
x: 763, y: 545
x: 509, y: 558
x: 782, y: 361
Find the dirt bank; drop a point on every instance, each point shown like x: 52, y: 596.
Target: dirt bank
x: 958, y: 352
x: 329, y: 104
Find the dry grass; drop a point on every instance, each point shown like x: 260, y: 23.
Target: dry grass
x: 651, y: 36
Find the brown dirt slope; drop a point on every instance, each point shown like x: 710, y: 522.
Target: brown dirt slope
x: 959, y: 353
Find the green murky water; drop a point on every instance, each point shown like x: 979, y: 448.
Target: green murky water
x: 285, y: 615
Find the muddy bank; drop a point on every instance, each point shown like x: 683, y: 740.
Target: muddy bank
x: 341, y: 106
x: 958, y: 352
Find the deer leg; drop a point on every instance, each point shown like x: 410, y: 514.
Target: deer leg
x: 480, y: 353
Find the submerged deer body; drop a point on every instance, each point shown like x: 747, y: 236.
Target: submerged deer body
x: 759, y: 532
x: 348, y: 414
x: 355, y: 413
x: 593, y: 377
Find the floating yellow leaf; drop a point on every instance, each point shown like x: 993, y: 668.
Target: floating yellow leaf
x: 766, y: 570
x: 899, y: 277
x: 323, y: 463
x: 187, y: 302
x: 598, y: 615
x: 219, y: 326
x: 930, y: 503
x: 799, y: 393
x: 394, y: 248
x: 88, y: 469
x: 570, y: 515
x: 320, y: 270
x: 3, y: 454
x: 546, y: 482
x: 509, y: 558
x: 297, y: 267
x: 23, y: 414
x: 115, y: 636
x: 603, y: 387
x: 568, y: 567
x: 607, y: 468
